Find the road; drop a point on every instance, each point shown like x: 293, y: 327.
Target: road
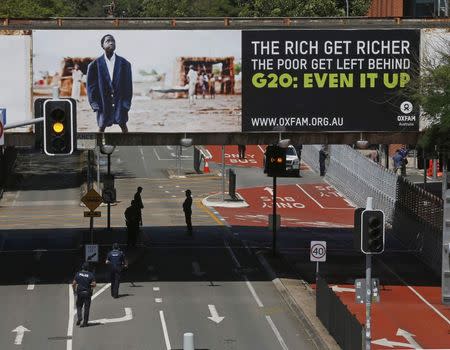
x: 209, y: 284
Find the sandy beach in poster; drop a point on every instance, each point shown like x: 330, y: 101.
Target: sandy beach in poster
x: 159, y: 60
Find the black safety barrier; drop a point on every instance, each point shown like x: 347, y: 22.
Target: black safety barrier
x: 343, y: 326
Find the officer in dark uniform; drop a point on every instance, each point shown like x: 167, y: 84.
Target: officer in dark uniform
x: 117, y: 261
x: 83, y: 283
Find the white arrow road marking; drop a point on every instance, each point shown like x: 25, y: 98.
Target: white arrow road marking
x: 269, y: 189
x: 128, y: 317
x: 277, y: 333
x: 342, y: 289
x: 20, y: 330
x: 214, y: 315
x: 196, y: 269
x: 164, y: 327
x: 409, y: 337
x: 400, y: 333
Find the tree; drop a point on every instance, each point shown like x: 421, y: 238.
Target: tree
x: 433, y: 95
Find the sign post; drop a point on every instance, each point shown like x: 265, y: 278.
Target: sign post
x: 92, y: 200
x: 2, y: 125
x: 318, y: 253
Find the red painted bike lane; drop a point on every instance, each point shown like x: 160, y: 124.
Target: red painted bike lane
x: 254, y: 156
x: 306, y: 205
x: 407, y: 317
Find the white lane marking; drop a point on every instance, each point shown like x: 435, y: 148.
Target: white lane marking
x: 417, y: 294
x: 247, y: 247
x: 177, y: 186
x: 20, y: 330
x: 156, y: 289
x: 143, y: 160
x: 236, y: 262
x: 101, y: 290
x: 214, y: 315
x: 252, y: 290
x: 71, y: 319
x: 300, y: 187
x: 164, y: 327
x: 158, y: 300
x: 277, y: 333
x: 321, y: 206
x: 128, y: 317
x: 166, y: 192
x: 173, y: 196
x: 262, y: 149
x: 156, y: 154
x: 30, y: 286
x: 338, y: 289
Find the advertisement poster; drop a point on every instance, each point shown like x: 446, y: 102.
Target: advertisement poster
x: 329, y: 80
x: 15, y: 72
x: 155, y: 81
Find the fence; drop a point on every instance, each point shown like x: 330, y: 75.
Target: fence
x: 337, y: 319
x: 415, y: 215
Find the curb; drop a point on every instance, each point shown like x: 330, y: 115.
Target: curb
x: 310, y: 327
x: 172, y: 173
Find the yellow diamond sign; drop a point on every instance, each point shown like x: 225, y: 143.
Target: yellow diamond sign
x: 92, y: 199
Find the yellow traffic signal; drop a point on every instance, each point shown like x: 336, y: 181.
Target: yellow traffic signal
x: 58, y: 127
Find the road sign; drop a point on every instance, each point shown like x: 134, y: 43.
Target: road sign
x: 318, y: 251
x: 92, y: 199
x: 360, y: 289
x: 92, y: 214
x: 91, y: 252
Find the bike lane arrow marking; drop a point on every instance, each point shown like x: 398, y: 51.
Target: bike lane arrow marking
x: 400, y: 333
x: 128, y: 317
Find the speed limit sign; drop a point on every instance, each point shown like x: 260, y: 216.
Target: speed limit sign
x: 318, y: 251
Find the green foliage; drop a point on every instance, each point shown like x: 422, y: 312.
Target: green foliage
x: 433, y: 95
x: 181, y: 8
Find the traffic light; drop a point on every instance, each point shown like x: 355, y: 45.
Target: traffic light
x: 276, y: 161
x: 59, y: 126
x: 372, y: 226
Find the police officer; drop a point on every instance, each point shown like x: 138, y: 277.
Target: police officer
x: 83, y: 283
x: 187, y: 208
x: 117, y: 261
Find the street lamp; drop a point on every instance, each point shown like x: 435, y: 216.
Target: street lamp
x: 108, y: 150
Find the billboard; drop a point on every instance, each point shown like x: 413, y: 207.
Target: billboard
x: 159, y: 81
x: 15, y: 72
x: 329, y: 80
x: 206, y: 81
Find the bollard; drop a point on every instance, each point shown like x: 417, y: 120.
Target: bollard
x: 188, y: 341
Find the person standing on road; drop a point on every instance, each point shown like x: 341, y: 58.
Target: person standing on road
x: 323, y: 155
x: 192, y: 78
x: 117, y: 261
x: 83, y: 284
x: 241, y: 151
x: 138, y: 202
x: 132, y: 219
x: 187, y: 208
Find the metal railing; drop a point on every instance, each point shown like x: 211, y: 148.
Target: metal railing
x: 415, y: 215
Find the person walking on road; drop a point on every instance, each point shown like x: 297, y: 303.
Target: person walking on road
x: 187, y: 208
x: 83, y: 284
x: 132, y: 219
x: 398, y: 160
x: 117, y: 261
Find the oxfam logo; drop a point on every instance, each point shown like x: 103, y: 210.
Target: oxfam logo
x: 406, y: 107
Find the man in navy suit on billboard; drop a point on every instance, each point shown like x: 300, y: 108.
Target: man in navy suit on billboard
x: 110, y: 87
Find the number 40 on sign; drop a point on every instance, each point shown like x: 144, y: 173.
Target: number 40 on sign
x: 318, y: 252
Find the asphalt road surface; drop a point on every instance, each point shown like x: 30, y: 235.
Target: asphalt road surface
x: 208, y: 284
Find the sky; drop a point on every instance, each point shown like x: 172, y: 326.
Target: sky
x: 145, y: 49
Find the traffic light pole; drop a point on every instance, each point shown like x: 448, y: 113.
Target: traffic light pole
x: 368, y: 338
x: 274, y: 219
x: 109, y: 204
